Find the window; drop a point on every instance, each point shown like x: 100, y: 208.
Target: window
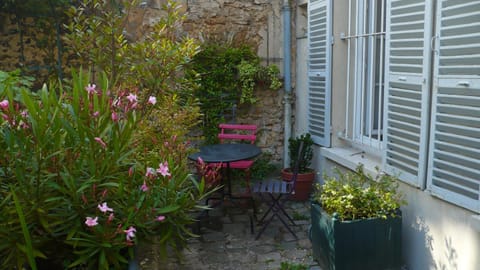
x: 365, y: 74
x: 454, y: 156
x: 413, y: 88
x: 433, y: 97
x: 319, y: 65
x: 407, y: 89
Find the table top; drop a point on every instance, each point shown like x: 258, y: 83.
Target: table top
x: 226, y: 152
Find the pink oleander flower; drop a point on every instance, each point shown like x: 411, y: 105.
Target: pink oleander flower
x: 130, y: 233
x: 4, y: 104
x: 24, y: 113
x: 160, y: 218
x: 132, y: 98
x: 90, y: 88
x: 150, y: 173
x: 144, y: 187
x: 104, y: 208
x: 114, y: 117
x: 96, y: 114
x: 91, y: 222
x: 104, y: 193
x: 152, y: 100
x: 163, y: 169
x: 101, y: 142
x: 24, y: 125
x: 110, y: 217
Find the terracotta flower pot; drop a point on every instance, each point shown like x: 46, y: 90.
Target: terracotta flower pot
x: 303, y: 187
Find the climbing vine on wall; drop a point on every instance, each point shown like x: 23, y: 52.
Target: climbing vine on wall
x: 228, y: 76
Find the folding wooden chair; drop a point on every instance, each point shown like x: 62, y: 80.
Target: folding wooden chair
x: 276, y: 193
x: 239, y: 133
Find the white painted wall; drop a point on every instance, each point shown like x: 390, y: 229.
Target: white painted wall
x: 300, y: 81
x: 436, y: 235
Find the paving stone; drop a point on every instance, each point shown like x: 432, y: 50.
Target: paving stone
x: 225, y: 243
x: 262, y: 249
x: 304, y: 243
x: 270, y: 257
x: 213, y: 236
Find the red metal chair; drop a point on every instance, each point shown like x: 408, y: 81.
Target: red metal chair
x: 238, y: 133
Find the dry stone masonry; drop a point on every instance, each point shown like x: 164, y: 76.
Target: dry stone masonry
x: 253, y: 22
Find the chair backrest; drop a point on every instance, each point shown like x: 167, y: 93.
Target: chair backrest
x: 237, y: 132
x: 296, y: 166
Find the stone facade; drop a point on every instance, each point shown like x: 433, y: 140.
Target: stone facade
x: 253, y: 22
x: 26, y: 45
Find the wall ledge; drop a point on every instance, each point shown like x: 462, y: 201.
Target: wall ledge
x: 350, y: 158
x: 475, y: 221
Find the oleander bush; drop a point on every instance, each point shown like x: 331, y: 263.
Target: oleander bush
x: 76, y: 186
x: 93, y: 165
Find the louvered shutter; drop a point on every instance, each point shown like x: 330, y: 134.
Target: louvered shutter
x: 407, y: 97
x: 454, y: 165
x: 319, y: 66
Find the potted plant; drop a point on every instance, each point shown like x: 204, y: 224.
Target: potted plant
x: 306, y: 175
x: 356, y: 221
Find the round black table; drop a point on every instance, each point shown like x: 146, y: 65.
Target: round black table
x: 227, y: 152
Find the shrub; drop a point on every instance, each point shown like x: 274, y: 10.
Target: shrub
x: 307, y: 152
x: 76, y: 185
x: 228, y: 75
x: 92, y: 165
x: 357, y: 195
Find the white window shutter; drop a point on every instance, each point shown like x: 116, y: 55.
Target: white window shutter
x: 454, y: 158
x: 319, y: 70
x: 407, y: 98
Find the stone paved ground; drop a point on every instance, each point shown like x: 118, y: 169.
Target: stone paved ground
x: 225, y: 242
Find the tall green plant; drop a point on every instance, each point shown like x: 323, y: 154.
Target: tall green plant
x: 94, y: 36
x: 307, y: 154
x: 155, y: 62
x: 79, y: 170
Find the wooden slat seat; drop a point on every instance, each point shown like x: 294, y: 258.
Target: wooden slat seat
x: 239, y: 133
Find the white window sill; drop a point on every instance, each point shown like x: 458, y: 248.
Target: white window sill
x: 351, y: 157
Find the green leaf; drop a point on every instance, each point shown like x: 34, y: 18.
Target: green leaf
x: 26, y: 233
x: 168, y: 209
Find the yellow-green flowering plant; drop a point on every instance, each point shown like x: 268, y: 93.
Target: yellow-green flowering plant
x: 356, y: 195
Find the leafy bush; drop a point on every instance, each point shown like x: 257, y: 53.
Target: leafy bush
x: 76, y: 185
x: 154, y: 61
x: 356, y: 195
x: 93, y: 165
x: 227, y: 75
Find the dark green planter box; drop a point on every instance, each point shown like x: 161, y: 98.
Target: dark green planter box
x: 362, y: 244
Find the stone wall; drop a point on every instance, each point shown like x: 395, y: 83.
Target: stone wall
x: 267, y: 114
x: 254, y: 22
x: 28, y: 44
